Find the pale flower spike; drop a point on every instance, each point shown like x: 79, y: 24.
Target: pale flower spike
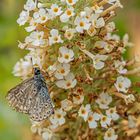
x: 74, y: 42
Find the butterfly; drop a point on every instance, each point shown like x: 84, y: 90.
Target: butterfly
x: 31, y: 97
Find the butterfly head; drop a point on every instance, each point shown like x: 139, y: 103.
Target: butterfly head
x: 37, y: 71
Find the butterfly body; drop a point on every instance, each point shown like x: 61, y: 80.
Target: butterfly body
x: 31, y: 97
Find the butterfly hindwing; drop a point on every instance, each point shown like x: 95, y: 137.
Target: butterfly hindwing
x: 41, y: 107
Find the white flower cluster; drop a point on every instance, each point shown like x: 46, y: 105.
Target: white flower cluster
x: 58, y: 118
x: 74, y: 43
x: 92, y: 117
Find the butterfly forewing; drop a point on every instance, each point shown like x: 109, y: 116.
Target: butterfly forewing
x: 18, y: 96
x: 31, y: 97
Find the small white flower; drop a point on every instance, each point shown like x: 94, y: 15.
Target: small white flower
x: 36, y: 38
x: 119, y: 65
x: 69, y: 34
x: 47, y: 134
x: 67, y: 14
x: 78, y: 99
x: 30, y: 5
x: 35, y: 128
x: 38, y: 56
x: 63, y: 1
x: 82, y: 24
x: 32, y: 26
x: 52, y: 68
x: 92, y: 31
x: 97, y: 21
x: 98, y: 61
x: 92, y: 119
x: 87, y: 13
x: 58, y: 118
x: 71, y: 2
x: 105, y: 121
x: 110, y: 27
x: 118, y: 4
x: 41, y: 16
x: 66, y: 55
x: 84, y: 111
x: 22, y: 45
x: 104, y: 100
x: 129, y: 99
x: 112, y: 113
x: 54, y: 11
x: 66, y: 105
x: 122, y: 84
x: 23, y: 18
x: 23, y: 68
x: 110, y: 134
x: 126, y: 41
x: 132, y: 121
x: 62, y: 70
x: 102, y: 44
x: 55, y: 37
x: 97, y: 9
x: 110, y: 36
x: 78, y: 96
x: 68, y: 82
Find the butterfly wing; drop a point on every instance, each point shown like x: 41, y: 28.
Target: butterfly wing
x: 31, y: 97
x: 19, y: 97
x: 41, y: 107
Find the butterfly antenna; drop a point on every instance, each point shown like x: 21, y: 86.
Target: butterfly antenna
x: 33, y: 65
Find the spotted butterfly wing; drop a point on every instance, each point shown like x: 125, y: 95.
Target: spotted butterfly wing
x: 31, y: 97
x: 41, y: 107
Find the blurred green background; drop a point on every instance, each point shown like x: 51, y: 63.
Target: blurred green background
x: 14, y: 126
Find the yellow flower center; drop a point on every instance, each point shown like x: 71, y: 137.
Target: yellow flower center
x: 104, y: 119
x: 69, y: 34
x: 97, y: 60
x: 59, y: 116
x: 70, y: 1
x: 82, y: 24
x: 109, y: 134
x: 92, y: 30
x: 66, y: 56
x: 78, y: 97
x: 69, y: 12
x: 111, y: 111
x: 62, y: 71
x: 43, y: 18
x: 55, y: 10
x: 68, y: 84
x: 103, y: 102
x: 120, y: 85
x: 34, y: 24
x: 87, y: 16
x: 56, y: 39
x: 83, y: 111
x: 39, y: 36
x: 90, y: 118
